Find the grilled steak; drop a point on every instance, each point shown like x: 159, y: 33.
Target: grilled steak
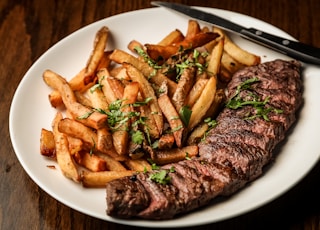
x: 233, y: 153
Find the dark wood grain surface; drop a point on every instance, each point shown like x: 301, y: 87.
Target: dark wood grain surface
x: 29, y: 27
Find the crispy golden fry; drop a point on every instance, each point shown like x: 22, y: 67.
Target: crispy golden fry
x: 113, y: 163
x: 185, y: 83
x: 121, y: 74
x: 78, y: 130
x: 195, y: 92
x: 47, y: 144
x: 193, y: 29
x: 75, y: 145
x: 90, y: 161
x: 116, y: 86
x: 173, y: 37
x: 147, y: 91
x: 133, y: 44
x: 158, y: 52
x: 104, y: 61
x: 216, y: 105
x: 104, y: 140
x: 239, y: 54
x: 215, y: 59
x: 100, y: 179
x: 206, y: 98
x: 82, y: 99
x: 230, y: 64
x: 162, y: 157
x: 197, y: 134
x: 157, y: 78
x: 121, y: 135
x: 97, y: 98
x: 77, y: 83
x: 150, y: 124
x: 138, y: 165
x: 173, y: 118
x: 81, y: 113
x: 103, y: 75
x: 198, y: 40
x: 97, y: 54
x: 55, y: 99
x: 166, y: 141
x: 64, y: 159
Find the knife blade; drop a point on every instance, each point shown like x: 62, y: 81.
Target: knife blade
x: 294, y: 49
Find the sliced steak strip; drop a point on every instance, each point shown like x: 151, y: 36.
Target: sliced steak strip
x: 228, y: 120
x: 126, y: 198
x: 245, y: 159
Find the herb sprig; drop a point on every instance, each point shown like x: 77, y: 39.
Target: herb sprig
x: 260, y: 106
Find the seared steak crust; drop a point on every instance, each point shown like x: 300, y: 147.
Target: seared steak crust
x: 233, y: 153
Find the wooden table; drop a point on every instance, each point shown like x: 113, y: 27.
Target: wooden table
x: 29, y: 28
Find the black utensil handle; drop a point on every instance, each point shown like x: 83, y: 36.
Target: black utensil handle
x: 297, y: 50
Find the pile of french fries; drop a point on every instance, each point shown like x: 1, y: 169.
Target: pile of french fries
x: 127, y: 111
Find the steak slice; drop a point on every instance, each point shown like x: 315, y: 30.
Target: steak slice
x: 126, y: 197
x: 228, y: 120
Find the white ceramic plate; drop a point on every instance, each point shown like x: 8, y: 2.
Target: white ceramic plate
x: 31, y: 111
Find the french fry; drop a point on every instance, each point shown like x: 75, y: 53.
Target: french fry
x: 104, y: 61
x: 239, y: 54
x: 133, y: 44
x: 166, y: 141
x: 230, y: 64
x: 116, y: 86
x: 75, y: 145
x: 100, y: 179
x: 103, y: 75
x: 93, y: 119
x: 138, y: 165
x: 47, y: 144
x: 147, y: 92
x: 195, y: 92
x: 200, y: 108
x: 90, y: 161
x: 113, y: 163
x: 214, y: 63
x: 104, y: 140
x: 64, y: 159
x: 121, y: 135
x: 173, y: 118
x: 185, y: 83
x: 193, y: 29
x: 55, y: 99
x: 150, y: 125
x: 173, y: 37
x: 197, y: 134
x: 162, y: 157
x: 77, y: 83
x: 97, y: 54
x: 78, y: 130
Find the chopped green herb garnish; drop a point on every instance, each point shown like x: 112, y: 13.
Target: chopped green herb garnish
x: 161, y: 177
x: 137, y: 137
x: 86, y: 115
x: 255, y: 101
x: 185, y: 114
